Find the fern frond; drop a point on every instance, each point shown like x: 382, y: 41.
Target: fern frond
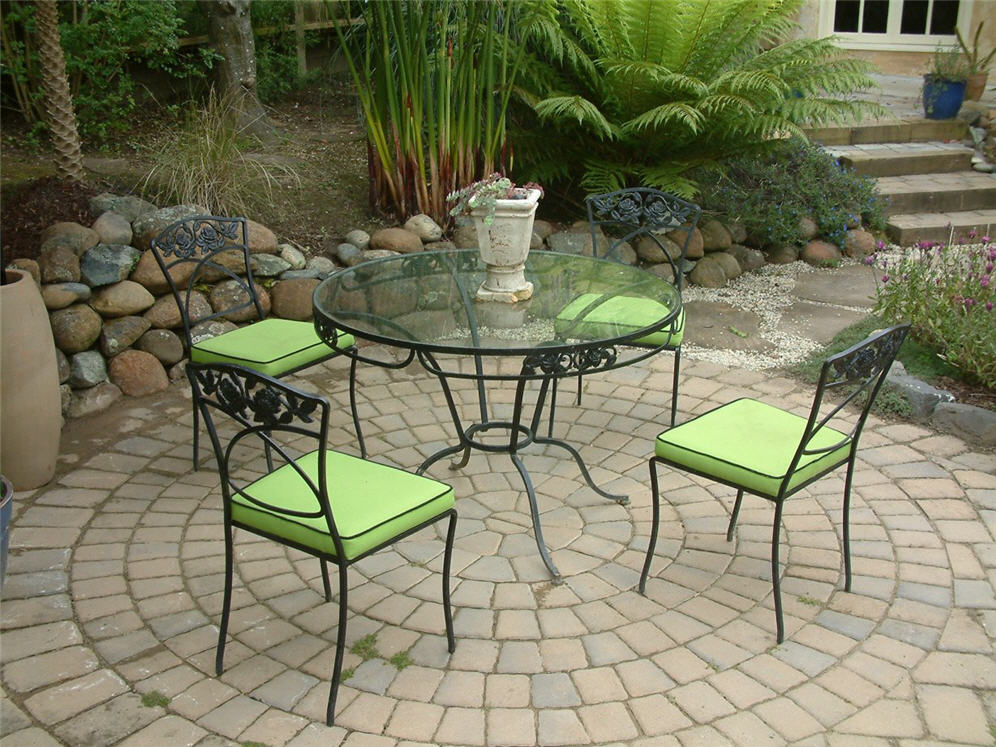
x: 577, y: 108
x: 674, y: 114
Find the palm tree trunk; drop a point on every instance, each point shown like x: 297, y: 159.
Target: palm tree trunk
x: 58, y: 99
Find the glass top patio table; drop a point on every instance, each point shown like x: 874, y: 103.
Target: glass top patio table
x: 580, y: 319
x: 426, y: 302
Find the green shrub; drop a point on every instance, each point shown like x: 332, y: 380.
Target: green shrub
x: 770, y: 193
x: 947, y: 292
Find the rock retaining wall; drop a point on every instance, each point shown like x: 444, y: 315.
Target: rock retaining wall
x: 118, y: 330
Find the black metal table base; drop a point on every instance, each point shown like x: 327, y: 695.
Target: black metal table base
x: 520, y: 436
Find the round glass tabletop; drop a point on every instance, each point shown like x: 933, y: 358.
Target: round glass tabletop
x: 427, y: 301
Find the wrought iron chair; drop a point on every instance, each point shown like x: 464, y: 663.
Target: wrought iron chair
x: 206, y: 249
x: 334, y: 506
x: 632, y: 215
x: 761, y: 449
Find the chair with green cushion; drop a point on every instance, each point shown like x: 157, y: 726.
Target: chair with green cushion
x: 656, y: 224
x: 761, y: 449
x: 279, y: 480
x: 205, y: 249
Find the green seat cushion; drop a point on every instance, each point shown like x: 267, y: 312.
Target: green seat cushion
x: 750, y: 444
x: 371, y: 503
x: 272, y: 347
x: 618, y: 316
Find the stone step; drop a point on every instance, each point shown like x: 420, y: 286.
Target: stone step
x: 902, y: 159
x: 890, y: 131
x: 938, y: 193
x: 907, y: 230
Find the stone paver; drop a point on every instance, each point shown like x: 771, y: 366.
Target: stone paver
x: 113, y: 594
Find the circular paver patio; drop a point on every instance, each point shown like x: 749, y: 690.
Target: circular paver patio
x: 113, y: 593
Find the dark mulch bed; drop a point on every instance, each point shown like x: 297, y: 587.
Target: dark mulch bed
x: 28, y: 209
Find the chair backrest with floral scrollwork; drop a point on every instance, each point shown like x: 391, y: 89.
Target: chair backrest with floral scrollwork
x: 275, y: 425
x: 208, y: 250
x: 641, y: 214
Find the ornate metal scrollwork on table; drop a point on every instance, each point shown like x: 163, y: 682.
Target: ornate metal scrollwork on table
x: 327, y: 331
x: 567, y: 363
x: 195, y: 237
x: 241, y: 394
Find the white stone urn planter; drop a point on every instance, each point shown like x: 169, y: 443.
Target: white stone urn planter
x: 504, y: 246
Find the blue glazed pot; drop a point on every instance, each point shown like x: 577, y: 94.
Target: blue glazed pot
x: 942, y: 98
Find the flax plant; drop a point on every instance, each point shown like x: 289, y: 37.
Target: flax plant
x: 434, y: 79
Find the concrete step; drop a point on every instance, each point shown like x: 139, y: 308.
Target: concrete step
x: 890, y: 131
x: 907, y: 230
x: 902, y: 159
x: 938, y: 193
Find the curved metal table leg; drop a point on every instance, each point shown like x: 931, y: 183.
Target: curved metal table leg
x: 534, y: 510
x: 439, y: 455
x: 618, y: 498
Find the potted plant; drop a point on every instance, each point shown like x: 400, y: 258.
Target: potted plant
x: 503, y: 216
x: 944, y: 84
x: 978, y: 64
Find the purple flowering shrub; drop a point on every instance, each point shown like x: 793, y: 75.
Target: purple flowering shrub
x: 947, y: 292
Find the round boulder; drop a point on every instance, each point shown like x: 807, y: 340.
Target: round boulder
x: 113, y: 228
x: 87, y: 369
x: 359, y: 239
x: 209, y: 329
x: 122, y: 299
x: 128, y: 206
x: 424, y: 227
x: 261, y: 239
x: 93, y: 400
x: 696, y: 247
x: 231, y: 294
x: 292, y: 298
x: 820, y: 253
x: 748, y: 259
x: 322, y: 265
x: 716, y: 237
x: 731, y: 268
x: 708, y: 272
x: 808, y: 228
x: 137, y: 373
x: 649, y: 250
x: 164, y: 314
x: 148, y: 274
x: 108, y: 263
x: 859, y: 243
x: 120, y: 334
x: 79, y: 238
x: 349, y: 254
x: 166, y: 346
x: 59, y: 264
x: 292, y: 256
x: 396, y: 240
x: 61, y: 295
x: 464, y: 234
x: 75, y: 328
x: 781, y: 254
x: 149, y: 225
x: 268, y: 265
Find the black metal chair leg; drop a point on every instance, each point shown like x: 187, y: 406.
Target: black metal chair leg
x: 674, y: 385
x: 197, y: 430
x: 553, y: 407
x: 447, y: 561
x: 325, y: 580
x: 352, y: 407
x: 654, y: 527
x: 226, y: 605
x: 847, y: 525
x: 775, y: 581
x: 734, y: 515
x: 340, y: 648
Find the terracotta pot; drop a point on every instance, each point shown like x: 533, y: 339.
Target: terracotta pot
x: 30, y: 405
x: 975, y: 86
x: 504, y: 246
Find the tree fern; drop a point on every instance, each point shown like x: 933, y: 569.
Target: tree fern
x: 679, y: 84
